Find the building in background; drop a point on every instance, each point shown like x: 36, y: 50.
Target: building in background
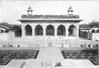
x: 90, y: 31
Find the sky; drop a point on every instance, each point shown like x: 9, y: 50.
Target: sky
x: 11, y: 10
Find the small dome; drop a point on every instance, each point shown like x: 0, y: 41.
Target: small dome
x: 70, y: 7
x: 70, y: 11
x: 29, y: 10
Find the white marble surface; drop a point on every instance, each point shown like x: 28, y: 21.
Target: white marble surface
x: 15, y: 64
x: 50, y: 54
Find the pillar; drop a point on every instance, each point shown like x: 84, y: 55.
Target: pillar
x: 44, y: 29
x: 33, y: 30
x: 23, y: 30
x: 55, y: 27
x: 88, y: 34
x: 67, y: 27
x: 77, y: 27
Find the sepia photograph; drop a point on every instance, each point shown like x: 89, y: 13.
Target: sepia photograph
x: 49, y: 34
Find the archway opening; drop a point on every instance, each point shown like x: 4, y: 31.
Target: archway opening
x: 18, y: 33
x: 97, y: 31
x: 93, y: 31
x: 61, y: 30
x: 28, y: 30
x: 38, y: 30
x: 72, y: 30
x: 50, y: 30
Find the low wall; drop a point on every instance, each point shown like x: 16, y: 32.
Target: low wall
x: 4, y: 37
x: 40, y: 42
x: 95, y: 36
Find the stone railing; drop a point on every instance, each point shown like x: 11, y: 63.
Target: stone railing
x: 50, y: 16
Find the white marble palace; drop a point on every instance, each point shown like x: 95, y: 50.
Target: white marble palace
x: 40, y: 30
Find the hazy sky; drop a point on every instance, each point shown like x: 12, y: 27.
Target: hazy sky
x: 11, y: 10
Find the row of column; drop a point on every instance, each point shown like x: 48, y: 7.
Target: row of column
x: 44, y: 29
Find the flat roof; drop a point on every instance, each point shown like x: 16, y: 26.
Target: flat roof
x: 50, y: 18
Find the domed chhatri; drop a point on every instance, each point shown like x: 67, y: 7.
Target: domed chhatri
x: 29, y: 10
x: 70, y: 11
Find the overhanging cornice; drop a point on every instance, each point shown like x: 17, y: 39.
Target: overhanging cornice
x: 31, y: 21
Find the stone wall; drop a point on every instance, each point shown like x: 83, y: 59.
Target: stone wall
x: 95, y: 36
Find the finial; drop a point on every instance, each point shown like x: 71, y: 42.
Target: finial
x: 29, y: 10
x: 70, y: 11
x: 70, y: 7
x: 93, y: 21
